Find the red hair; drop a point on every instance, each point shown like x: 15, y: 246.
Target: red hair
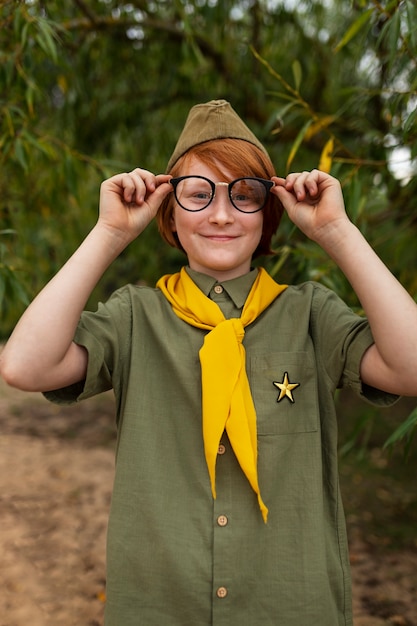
x: 240, y: 158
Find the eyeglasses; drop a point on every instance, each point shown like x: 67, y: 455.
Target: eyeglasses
x: 195, y: 193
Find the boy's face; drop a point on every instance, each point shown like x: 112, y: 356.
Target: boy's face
x: 219, y: 240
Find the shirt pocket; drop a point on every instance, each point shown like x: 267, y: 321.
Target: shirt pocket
x: 297, y: 410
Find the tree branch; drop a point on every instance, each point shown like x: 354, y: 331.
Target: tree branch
x: 113, y: 24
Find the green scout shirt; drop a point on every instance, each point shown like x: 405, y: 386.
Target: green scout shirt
x: 176, y: 557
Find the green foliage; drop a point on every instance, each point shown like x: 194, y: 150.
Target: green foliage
x: 89, y: 89
x: 405, y: 431
x: 11, y: 288
x: 353, y: 120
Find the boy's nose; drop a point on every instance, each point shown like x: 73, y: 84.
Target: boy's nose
x: 221, y: 209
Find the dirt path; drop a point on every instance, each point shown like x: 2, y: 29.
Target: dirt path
x: 56, y: 472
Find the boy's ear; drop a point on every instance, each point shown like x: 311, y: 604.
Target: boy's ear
x: 172, y: 222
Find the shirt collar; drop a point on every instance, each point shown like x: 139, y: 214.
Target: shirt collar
x: 236, y: 288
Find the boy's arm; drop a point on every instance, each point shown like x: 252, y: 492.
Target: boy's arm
x: 314, y: 202
x: 40, y: 354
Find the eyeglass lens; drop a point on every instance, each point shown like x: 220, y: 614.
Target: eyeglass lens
x: 246, y: 194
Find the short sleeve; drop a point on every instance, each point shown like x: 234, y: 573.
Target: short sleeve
x: 105, y: 334
x: 343, y: 338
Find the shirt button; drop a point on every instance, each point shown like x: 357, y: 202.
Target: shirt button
x: 221, y: 592
x: 222, y: 520
x: 218, y: 289
x: 222, y: 449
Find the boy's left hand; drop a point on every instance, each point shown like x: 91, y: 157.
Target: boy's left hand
x: 313, y: 201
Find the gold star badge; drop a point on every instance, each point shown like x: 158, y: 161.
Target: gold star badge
x: 285, y: 388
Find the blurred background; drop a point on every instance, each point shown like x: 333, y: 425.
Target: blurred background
x: 92, y: 88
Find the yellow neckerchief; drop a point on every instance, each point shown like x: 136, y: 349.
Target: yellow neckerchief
x: 226, y: 397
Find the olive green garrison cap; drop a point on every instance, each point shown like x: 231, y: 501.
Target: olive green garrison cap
x: 213, y: 120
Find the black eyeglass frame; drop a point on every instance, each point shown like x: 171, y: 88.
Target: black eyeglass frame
x: 268, y: 184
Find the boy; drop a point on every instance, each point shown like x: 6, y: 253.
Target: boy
x: 226, y: 507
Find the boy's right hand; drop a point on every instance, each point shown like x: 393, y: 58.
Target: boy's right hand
x: 129, y: 201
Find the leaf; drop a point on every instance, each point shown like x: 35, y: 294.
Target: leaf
x: 284, y: 110
x: 2, y: 290
x: 20, y: 155
x: 411, y: 21
x: 355, y: 199
x: 389, y: 37
x: 362, y: 430
x: 24, y: 36
x: 297, y: 73
x: 38, y: 144
x: 298, y: 141
x: 354, y: 29
x: 394, y: 36
x: 11, y: 287
x: 45, y: 39
x: 17, y: 21
x: 410, y: 122
x: 326, y: 157
x: 19, y: 291
x: 30, y: 91
x: 323, y: 122
x: 404, y: 430
x: 62, y: 83
x: 9, y: 120
x: 279, y: 115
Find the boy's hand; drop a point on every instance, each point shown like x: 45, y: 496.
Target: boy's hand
x: 129, y: 201
x: 314, y: 202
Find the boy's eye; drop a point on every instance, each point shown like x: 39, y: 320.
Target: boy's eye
x: 240, y: 197
x: 202, y: 195
x: 194, y: 191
